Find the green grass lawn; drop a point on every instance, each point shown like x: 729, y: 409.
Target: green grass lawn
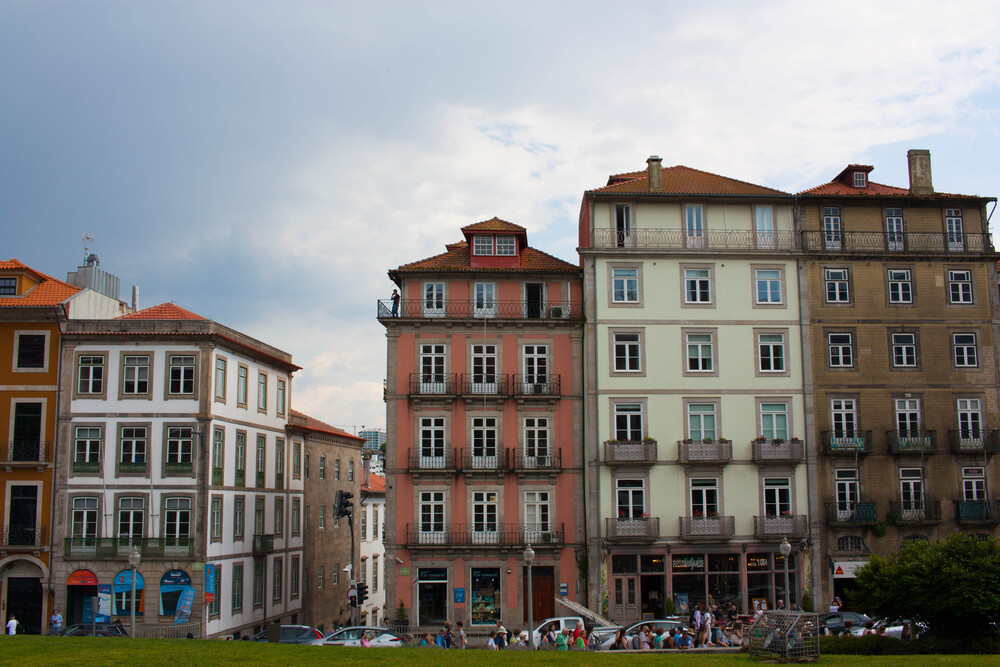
x: 80, y: 651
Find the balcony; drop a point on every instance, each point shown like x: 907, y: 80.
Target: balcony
x: 709, y: 240
x: 982, y: 512
x: 24, y: 537
x: 639, y: 529
x: 433, y: 461
x: 121, y: 547
x: 485, y: 461
x: 696, y: 528
x: 630, y: 452
x: 26, y: 454
x: 481, y: 384
x: 178, y: 468
x: 777, y: 451
x: 852, y: 513
x: 132, y: 468
x: 433, y: 384
x: 532, y: 461
x: 705, y: 451
x: 485, y: 534
x: 263, y: 544
x: 468, y: 309
x: 911, y: 442
x: 973, y: 442
x: 217, y: 476
x: 856, y: 442
x: 86, y: 467
x: 260, y: 479
x: 787, y: 525
x: 914, y: 512
x: 909, y: 243
x: 535, y: 386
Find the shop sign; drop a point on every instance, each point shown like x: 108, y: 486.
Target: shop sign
x: 209, y: 583
x: 563, y: 589
x: 689, y: 563
x: 845, y: 569
x: 82, y: 578
x: 404, y: 571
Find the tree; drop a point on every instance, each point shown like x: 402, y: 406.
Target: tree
x: 953, y: 586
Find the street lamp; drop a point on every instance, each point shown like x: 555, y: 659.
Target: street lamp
x: 134, y: 560
x: 785, y: 548
x: 529, y: 555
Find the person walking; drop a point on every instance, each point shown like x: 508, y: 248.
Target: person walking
x: 56, y: 622
x: 491, y: 643
x: 501, y: 634
x: 460, y: 638
x: 11, y: 625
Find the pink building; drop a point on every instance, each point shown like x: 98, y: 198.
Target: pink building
x: 484, y: 395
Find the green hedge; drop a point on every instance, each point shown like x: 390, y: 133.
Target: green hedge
x: 874, y: 645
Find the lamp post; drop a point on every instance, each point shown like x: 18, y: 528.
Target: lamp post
x: 134, y: 560
x: 529, y: 556
x: 785, y: 548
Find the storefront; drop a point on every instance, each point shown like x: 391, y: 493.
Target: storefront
x: 486, y: 597
x: 81, y: 589
x: 432, y: 595
x: 122, y: 591
x: 173, y: 584
x: 844, y: 573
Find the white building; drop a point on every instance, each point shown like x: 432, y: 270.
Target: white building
x: 371, y: 528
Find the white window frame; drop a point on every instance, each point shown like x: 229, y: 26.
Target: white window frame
x: 698, y: 286
x: 770, y: 280
x: 965, y: 351
x: 625, y: 285
x: 960, y: 290
x: 434, y: 299
x: 627, y: 352
x: 836, y: 350
x: 771, y: 352
x: 482, y: 245
x: 628, y: 422
x: 506, y: 246
x: 900, y: 286
x: 840, y: 280
x: 903, y: 350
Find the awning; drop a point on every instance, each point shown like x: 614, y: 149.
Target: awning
x: 583, y: 611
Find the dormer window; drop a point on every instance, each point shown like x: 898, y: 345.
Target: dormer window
x: 482, y: 244
x: 487, y: 244
x: 860, y: 179
x: 8, y: 286
x: 506, y: 246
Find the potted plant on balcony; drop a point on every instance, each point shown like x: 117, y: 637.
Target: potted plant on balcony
x: 707, y: 441
x: 795, y: 440
x: 760, y: 440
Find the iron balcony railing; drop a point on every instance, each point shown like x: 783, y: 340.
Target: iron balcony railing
x: 630, y: 452
x: 707, y: 527
x: 484, y: 534
x: 26, y: 536
x: 915, y: 511
x: 973, y: 442
x: 849, y: 443
x: 704, y: 451
x: 473, y: 384
x: 977, y: 511
x: 909, y: 243
x: 472, y: 309
x: 852, y: 513
x: 702, y: 240
x: 263, y: 544
x: 911, y: 442
x: 535, y: 385
x: 134, y: 467
x: 626, y: 529
x: 772, y: 526
x: 528, y: 460
x: 433, y: 459
x: 485, y: 460
x: 430, y: 384
x: 484, y: 384
x: 28, y: 452
x: 119, y: 547
x: 777, y: 451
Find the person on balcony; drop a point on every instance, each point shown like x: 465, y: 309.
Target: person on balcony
x: 395, y: 303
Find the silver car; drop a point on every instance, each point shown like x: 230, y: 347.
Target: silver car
x: 352, y: 636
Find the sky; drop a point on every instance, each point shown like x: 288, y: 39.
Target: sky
x: 264, y: 164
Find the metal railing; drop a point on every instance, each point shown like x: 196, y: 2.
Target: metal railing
x: 915, y: 511
x: 483, y: 384
x: 27, y: 451
x: 790, y: 525
x: 118, y: 547
x: 29, y: 536
x: 852, y: 513
x: 431, y: 460
x: 638, y: 528
x: 485, y: 461
x: 977, y: 511
x: 470, y: 309
x: 630, y: 452
x: 701, y: 451
x: 433, y: 384
x: 890, y: 243
x: 703, y: 240
x: 856, y: 442
x: 484, y: 534
x: 911, y: 442
x: 707, y: 527
x: 535, y: 385
x: 778, y: 451
x: 542, y: 462
x: 969, y: 442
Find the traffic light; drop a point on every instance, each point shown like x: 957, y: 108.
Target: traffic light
x: 362, y: 593
x: 344, y: 505
x: 353, y: 600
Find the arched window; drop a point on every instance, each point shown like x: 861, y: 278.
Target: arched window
x: 122, y: 590
x: 172, y: 585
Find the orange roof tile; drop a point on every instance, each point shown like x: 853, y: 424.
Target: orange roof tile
x: 164, y: 311
x: 48, y: 292
x: 314, y: 424
x: 683, y: 180
x: 837, y: 188
x: 376, y: 484
x: 494, y: 224
x: 457, y: 258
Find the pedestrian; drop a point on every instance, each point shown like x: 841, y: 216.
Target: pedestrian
x: 501, y: 634
x: 671, y: 640
x: 733, y: 613
x: 12, y: 625
x: 644, y: 638
x: 696, y: 617
x: 491, y: 643
x: 658, y: 638
x: 591, y: 637
x: 395, y: 303
x: 835, y: 605
x: 460, y: 638
x: 366, y: 640
x: 562, y: 640
x: 621, y: 641
x: 55, y: 623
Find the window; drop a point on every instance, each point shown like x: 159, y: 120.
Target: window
x: 694, y: 225
x: 258, y: 515
x: 506, y: 246
x: 180, y: 375
x: 908, y: 417
x: 216, y: 519
x: 837, y: 286
x: 900, y: 286
x: 771, y: 352
x: 279, y: 516
x: 697, y: 286
x: 220, y: 379
x: 536, y: 364
x: 90, y: 374
x: 841, y: 350
x: 237, y: 599
x: 180, y: 444
x: 335, y: 574
x: 484, y: 442
x: 484, y: 369
x: 8, y: 286
x: 84, y: 519
x: 177, y: 524
x: 31, y: 351
x: 850, y: 543
x: 131, y: 520
x: 134, y: 441
x: 894, y: 228
x: 296, y: 518
x: 431, y: 509
x: 970, y: 422
x: 627, y: 352
x: 536, y: 441
x: 844, y: 417
x: 777, y: 496
x: 623, y: 225
x: 307, y: 466
x: 701, y: 421
x: 432, y: 380
x: 135, y: 375
x: 831, y: 228
x: 294, y: 577
x: 628, y: 421
x: 350, y: 470
x: 860, y: 179
x: 960, y: 287
x: 88, y: 447
x: 432, y: 442
x: 953, y: 223
x: 484, y: 516
x: 911, y: 493
x: 27, y: 441
x: 705, y: 497
x: 279, y: 463
x: 241, y: 458
x: 630, y: 497
x: 625, y: 285
x: 261, y: 469
x: 700, y: 353
x: 434, y: 299
x: 846, y: 483
x: 218, y: 454
x: 258, y: 583
x: 482, y: 244
x: 239, y: 514
x: 484, y: 300
x: 965, y: 350
x: 974, y: 485
x: 296, y: 460
x: 774, y: 421
x: 320, y: 574
x: 261, y: 392
x: 321, y: 519
x: 281, y: 397
x: 336, y: 469
x: 904, y: 350
x: 375, y: 564
x: 537, y: 513
x: 764, y: 219
x: 241, y: 386
x: 767, y: 284
x: 322, y: 467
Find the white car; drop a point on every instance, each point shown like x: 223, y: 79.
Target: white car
x: 380, y: 637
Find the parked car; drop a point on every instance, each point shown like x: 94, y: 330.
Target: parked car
x: 292, y: 634
x: 835, y: 622
x: 88, y: 630
x: 351, y: 636
x: 632, y: 632
x: 569, y: 623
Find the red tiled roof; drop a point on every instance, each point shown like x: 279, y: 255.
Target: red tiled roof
x: 48, y: 292
x: 458, y: 259
x: 494, y: 224
x: 314, y: 424
x: 164, y: 311
x: 684, y: 181
x: 376, y: 484
x: 837, y: 188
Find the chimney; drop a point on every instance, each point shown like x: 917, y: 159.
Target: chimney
x: 135, y: 298
x: 653, y: 166
x: 920, y: 171
x: 366, y: 466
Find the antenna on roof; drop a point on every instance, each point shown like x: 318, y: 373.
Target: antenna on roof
x: 87, y: 238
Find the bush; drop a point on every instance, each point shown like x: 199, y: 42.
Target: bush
x: 875, y: 645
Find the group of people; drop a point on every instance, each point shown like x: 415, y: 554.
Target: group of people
x: 714, y: 626
x: 446, y: 637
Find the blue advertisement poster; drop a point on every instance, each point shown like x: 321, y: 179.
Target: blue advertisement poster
x: 209, y: 583
x: 122, y: 589
x: 184, y: 606
x: 104, y: 603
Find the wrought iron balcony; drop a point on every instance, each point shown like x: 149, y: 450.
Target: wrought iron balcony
x: 86, y: 467
x: 484, y: 384
x: 914, y: 511
x: 911, y: 442
x: 263, y: 544
x: 121, y: 547
x: 541, y: 386
x: 27, y: 537
x: 531, y: 460
x: 433, y: 384
x: 910, y: 243
x: 777, y: 451
x: 704, y: 451
x: 630, y: 452
x: 26, y: 453
x: 707, y: 527
x: 218, y: 474
x: 977, y: 511
x: 852, y: 513
x: 713, y: 240
x: 973, y: 442
x: 471, y: 309
x: 484, y: 534
x: 133, y: 467
x: 433, y: 461
x: 638, y: 529
x: 772, y: 526
x: 497, y: 461
x: 849, y: 444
